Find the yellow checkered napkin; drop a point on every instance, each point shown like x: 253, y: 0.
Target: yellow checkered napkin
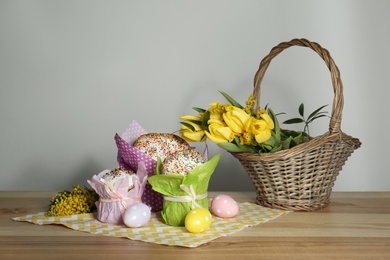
x: 158, y: 232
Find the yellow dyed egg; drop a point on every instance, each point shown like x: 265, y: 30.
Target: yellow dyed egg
x: 198, y: 220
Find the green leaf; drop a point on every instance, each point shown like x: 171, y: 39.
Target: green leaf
x: 205, y: 120
x: 271, y: 142
x: 198, y: 109
x: 277, y: 135
x: 286, y: 143
x: 243, y: 147
x: 236, y: 147
x: 158, y: 166
x: 196, y: 122
x: 322, y: 113
x: 301, y: 109
x: 295, y: 120
x: 316, y: 117
x: 276, y: 149
x: 292, y: 133
x: 189, y: 126
x: 315, y: 112
x: 266, y: 147
x: 231, y: 147
x: 231, y: 100
x: 297, y: 139
x: 276, y: 129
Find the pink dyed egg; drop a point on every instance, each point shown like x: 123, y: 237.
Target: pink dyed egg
x: 224, y: 206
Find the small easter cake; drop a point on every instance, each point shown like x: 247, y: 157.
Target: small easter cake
x: 160, y: 144
x: 181, y: 161
x: 118, y: 175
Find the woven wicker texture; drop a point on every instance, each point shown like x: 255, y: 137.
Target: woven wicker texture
x: 301, y: 178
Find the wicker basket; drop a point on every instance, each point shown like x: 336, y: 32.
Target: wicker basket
x: 301, y: 178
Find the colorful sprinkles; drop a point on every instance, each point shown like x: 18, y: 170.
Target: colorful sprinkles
x: 118, y: 175
x: 160, y: 144
x: 181, y: 162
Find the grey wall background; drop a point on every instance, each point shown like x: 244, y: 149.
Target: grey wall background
x: 74, y: 73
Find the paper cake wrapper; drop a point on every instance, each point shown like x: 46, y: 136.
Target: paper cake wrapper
x: 175, y: 185
x: 113, y: 201
x: 129, y: 157
x: 111, y: 206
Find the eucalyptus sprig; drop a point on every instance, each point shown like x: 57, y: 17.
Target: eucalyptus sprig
x: 313, y: 116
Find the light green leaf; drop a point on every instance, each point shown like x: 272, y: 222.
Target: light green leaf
x: 158, y: 166
x: 166, y: 183
x: 174, y: 213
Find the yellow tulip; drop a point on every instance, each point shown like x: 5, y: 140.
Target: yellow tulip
x: 191, y: 118
x: 260, y: 128
x: 263, y: 136
x: 219, y: 132
x: 236, y: 118
x: 268, y: 120
x: 196, y: 135
x: 192, y: 136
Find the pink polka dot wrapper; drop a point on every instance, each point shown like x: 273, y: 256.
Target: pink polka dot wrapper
x: 128, y: 158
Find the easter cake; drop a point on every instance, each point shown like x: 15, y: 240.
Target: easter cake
x: 118, y: 175
x: 160, y: 144
x: 181, y: 161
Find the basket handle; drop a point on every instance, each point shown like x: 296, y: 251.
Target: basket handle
x: 338, y: 101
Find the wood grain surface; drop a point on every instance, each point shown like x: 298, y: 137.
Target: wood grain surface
x: 354, y: 226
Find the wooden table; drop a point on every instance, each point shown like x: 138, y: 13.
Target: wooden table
x: 355, y: 226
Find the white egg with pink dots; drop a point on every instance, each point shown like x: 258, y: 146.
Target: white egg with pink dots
x: 224, y: 206
x: 137, y: 215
